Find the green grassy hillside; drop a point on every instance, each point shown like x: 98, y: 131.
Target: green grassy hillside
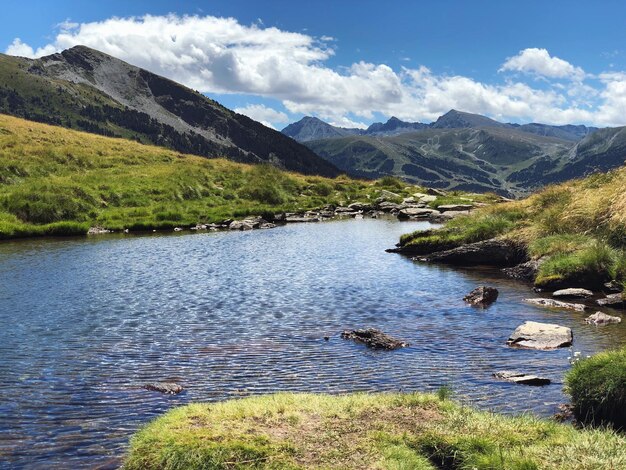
x: 59, y: 181
x: 365, y: 431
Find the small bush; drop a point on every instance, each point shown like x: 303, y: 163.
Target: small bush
x: 597, y: 386
x: 391, y: 182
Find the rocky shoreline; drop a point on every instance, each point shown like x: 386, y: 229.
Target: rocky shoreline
x: 416, y: 207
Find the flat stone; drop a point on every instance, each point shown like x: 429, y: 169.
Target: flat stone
x: 521, y: 378
x: 425, y: 197
x: 612, y: 300
x: 551, y: 303
x: 492, y: 252
x: 573, y: 293
x: 416, y: 212
x: 344, y: 209
x: 455, y: 207
x: 388, y: 194
x: 600, y: 318
x: 374, y: 339
x: 535, y: 335
x: 454, y: 214
x: 482, y: 296
x: 169, y: 388
x: 387, y: 206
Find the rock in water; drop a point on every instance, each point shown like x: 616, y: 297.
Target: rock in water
x: 573, y: 293
x: 169, y: 388
x: 600, y: 318
x: 613, y: 300
x: 551, y: 303
x: 374, y: 338
x: 520, y: 378
x: 482, y: 296
x: 535, y: 335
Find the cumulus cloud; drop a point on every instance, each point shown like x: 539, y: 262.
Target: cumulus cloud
x: 221, y: 55
x: 265, y: 115
x: 540, y: 62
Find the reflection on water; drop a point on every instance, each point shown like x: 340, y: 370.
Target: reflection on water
x: 86, y: 322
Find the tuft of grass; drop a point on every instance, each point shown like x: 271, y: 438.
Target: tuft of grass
x: 597, y: 386
x: 592, y: 265
x: 388, y: 431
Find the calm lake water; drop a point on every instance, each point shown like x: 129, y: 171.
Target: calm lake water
x: 85, y: 322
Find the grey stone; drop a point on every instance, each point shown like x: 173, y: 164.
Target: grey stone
x: 535, y: 335
x: 521, y: 378
x: 455, y: 207
x: 551, y: 303
x: 573, y: 293
x: 482, y: 296
x: 612, y: 300
x: 600, y: 318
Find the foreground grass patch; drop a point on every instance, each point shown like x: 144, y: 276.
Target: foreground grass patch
x: 362, y: 431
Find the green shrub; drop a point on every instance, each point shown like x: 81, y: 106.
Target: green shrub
x: 597, y: 386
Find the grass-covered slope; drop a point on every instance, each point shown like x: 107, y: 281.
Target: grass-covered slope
x: 576, y: 230
x: 84, y: 89
x: 59, y: 181
x: 364, y: 431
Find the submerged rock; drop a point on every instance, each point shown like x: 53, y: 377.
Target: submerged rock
x: 535, y: 335
x: 551, y: 303
x: 169, y: 388
x: 521, y: 378
x: 573, y: 293
x: 612, y: 300
x: 374, y: 338
x: 600, y: 318
x: 482, y: 296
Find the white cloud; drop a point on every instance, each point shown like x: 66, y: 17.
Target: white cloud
x: 221, y: 55
x: 538, y: 61
x: 263, y: 114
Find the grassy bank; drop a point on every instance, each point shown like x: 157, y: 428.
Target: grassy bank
x: 392, y: 431
x: 577, y: 229
x: 597, y: 386
x: 56, y: 181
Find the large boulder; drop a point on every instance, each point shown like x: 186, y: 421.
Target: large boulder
x: 493, y: 252
x: 521, y: 378
x: 387, y: 206
x: 552, y: 303
x: 240, y: 225
x: 482, y: 296
x: 374, y: 339
x: 600, y: 318
x: 535, y: 335
x: 573, y: 293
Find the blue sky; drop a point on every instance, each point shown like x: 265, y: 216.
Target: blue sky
x: 355, y: 62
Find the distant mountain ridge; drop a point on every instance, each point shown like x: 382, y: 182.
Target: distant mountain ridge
x: 312, y: 128
x: 470, y: 152
x: 84, y: 89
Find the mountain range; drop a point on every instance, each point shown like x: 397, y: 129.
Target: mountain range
x: 466, y: 151
x: 81, y: 88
